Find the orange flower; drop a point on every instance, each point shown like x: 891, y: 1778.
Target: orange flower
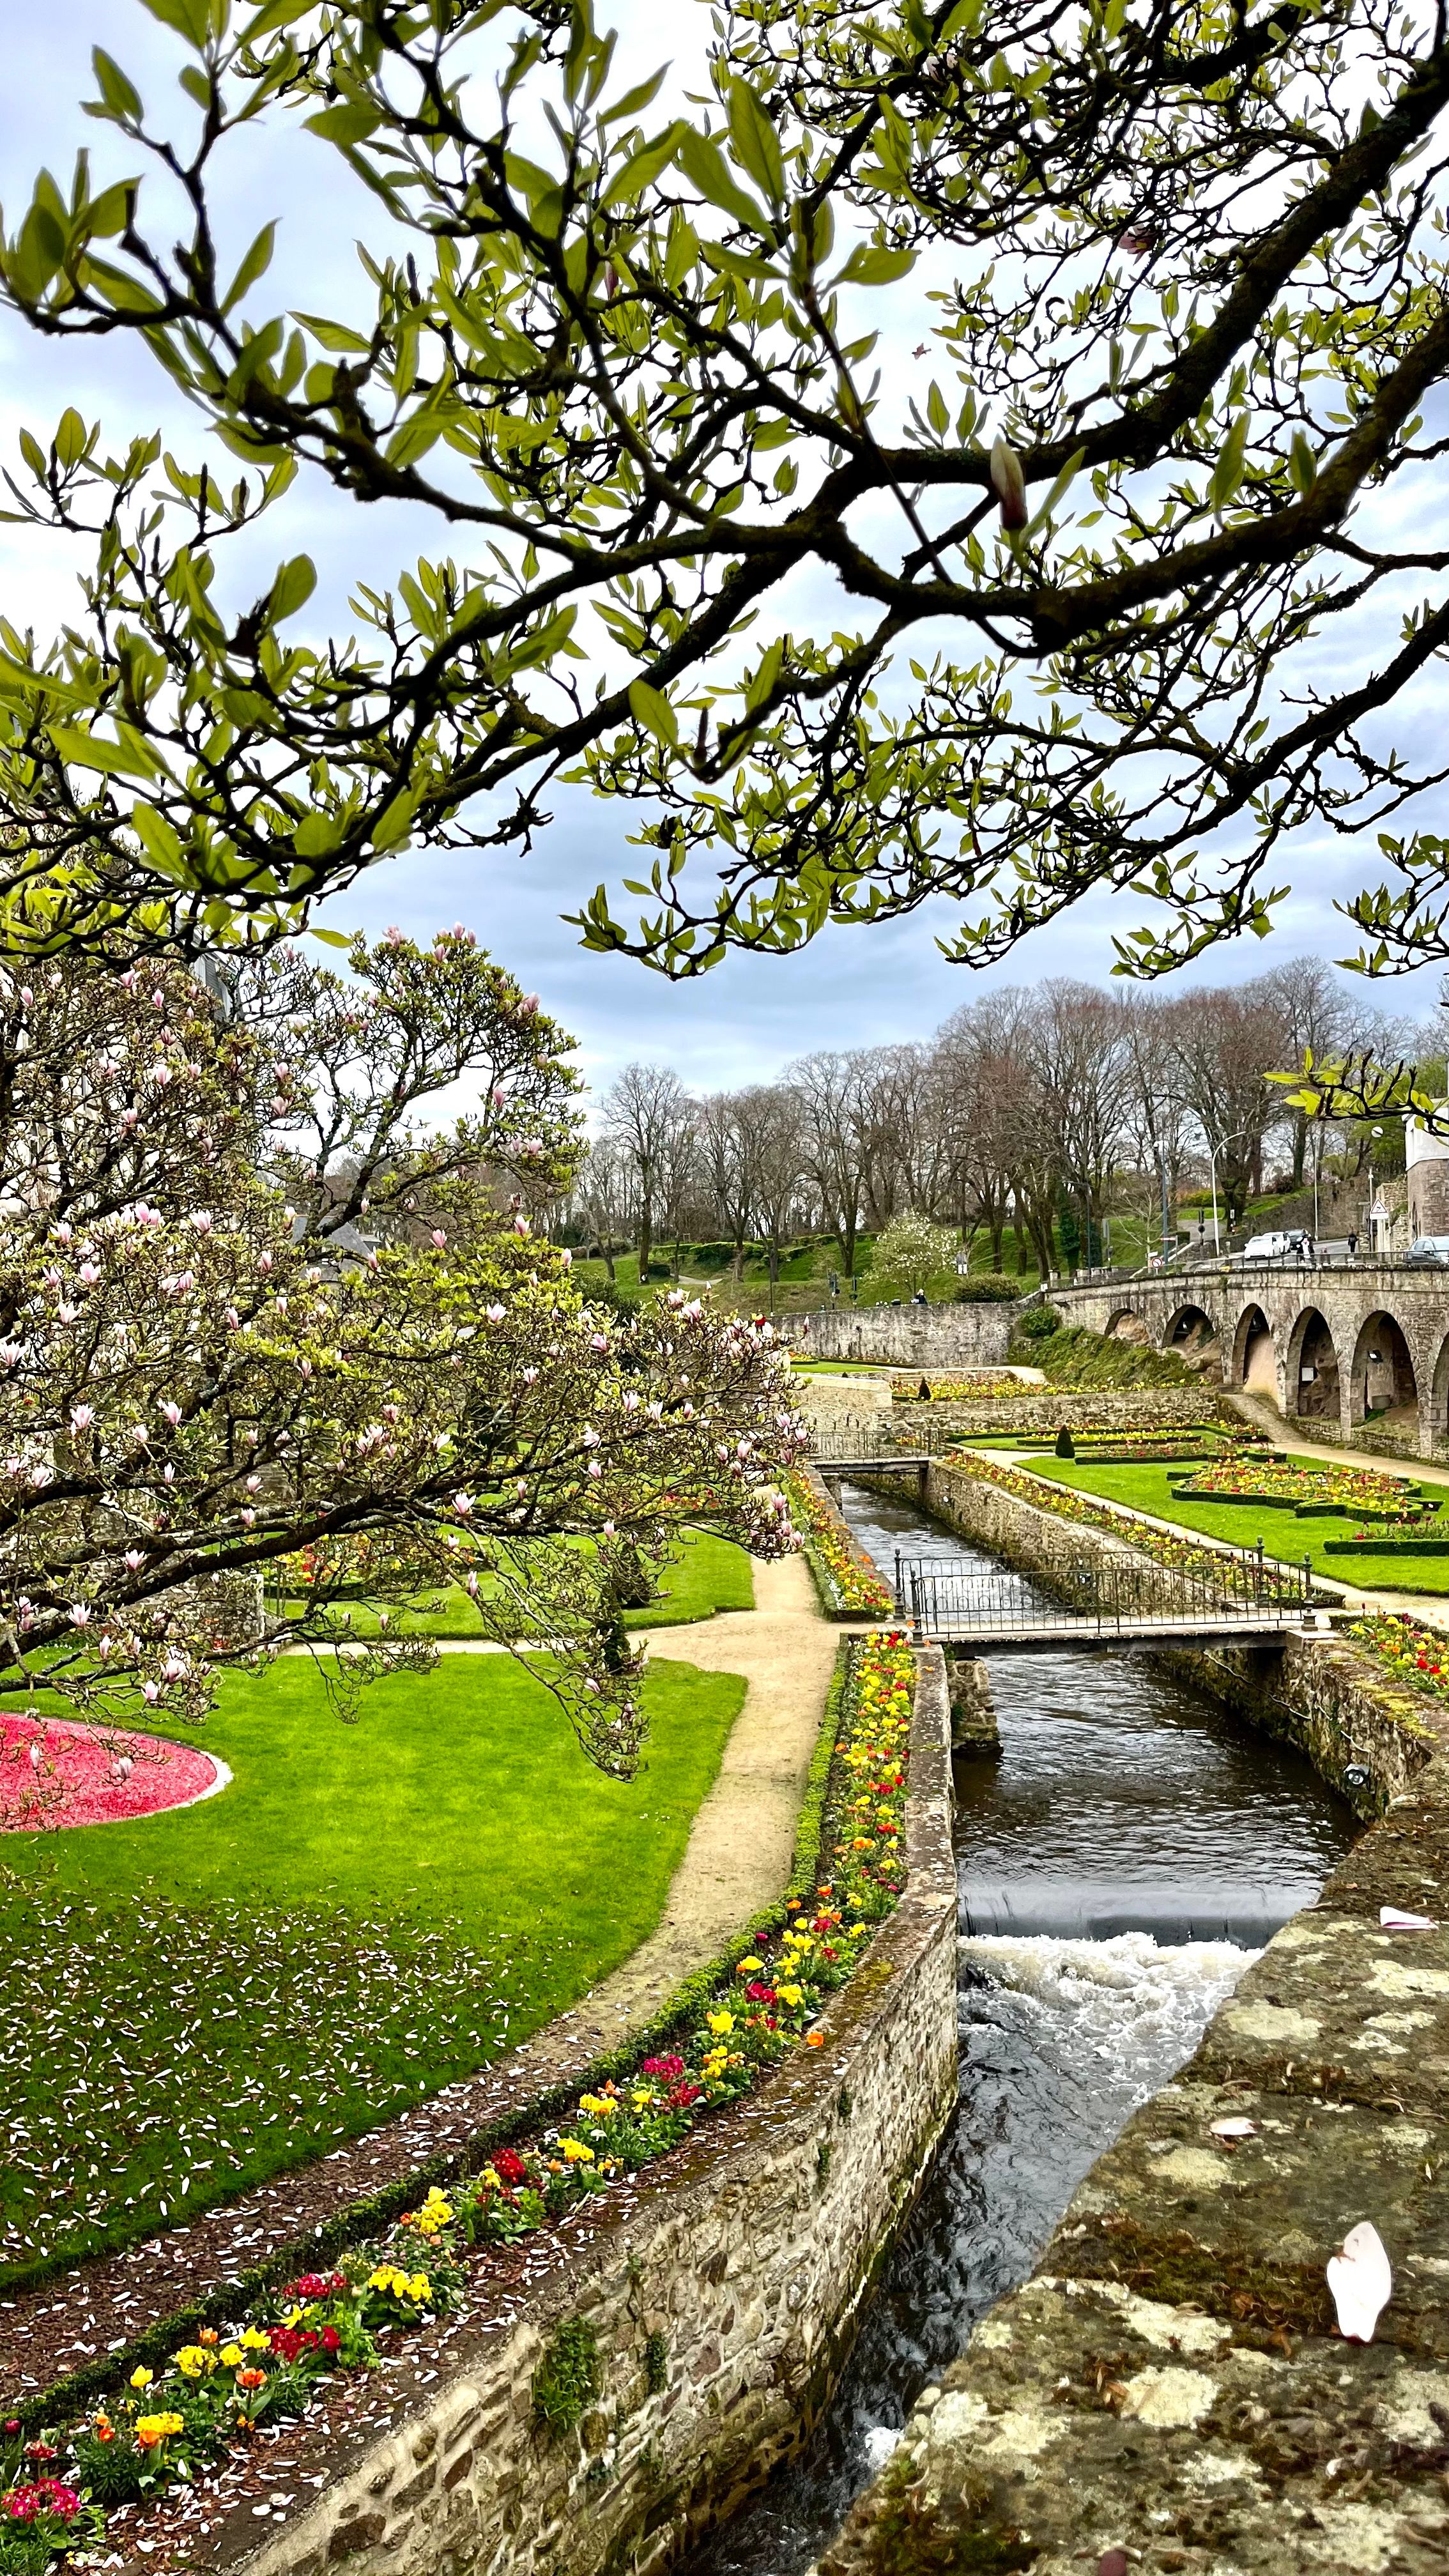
x: 251, y: 2379
x: 815, y: 2039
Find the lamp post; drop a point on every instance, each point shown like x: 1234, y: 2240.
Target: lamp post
x: 1213, y: 1152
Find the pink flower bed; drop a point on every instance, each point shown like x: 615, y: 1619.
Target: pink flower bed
x: 55, y: 1772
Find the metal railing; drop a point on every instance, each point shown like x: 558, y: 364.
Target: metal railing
x: 881, y: 1449
x: 1103, y: 1596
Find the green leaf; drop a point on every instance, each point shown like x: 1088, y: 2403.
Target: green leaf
x: 655, y: 712
x: 871, y: 264
x: 634, y: 101
x: 70, y: 438
x: 293, y: 587
x: 1060, y: 488
x: 1227, y: 474
x: 329, y: 938
x: 190, y: 18
x: 120, y: 98
x: 1302, y: 464
x: 706, y: 169
x: 333, y: 335
x: 112, y: 759
x: 272, y: 15
x: 641, y: 169
x: 350, y: 123
x: 757, y: 145
x: 257, y: 261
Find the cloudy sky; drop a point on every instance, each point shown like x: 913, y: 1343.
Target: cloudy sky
x: 739, y: 1023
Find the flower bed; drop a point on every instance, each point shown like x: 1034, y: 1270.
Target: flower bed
x: 208, y: 2398
x: 849, y: 1590
x: 1180, y: 1555
x: 54, y: 1771
x: 1281, y: 1484
x: 1418, y: 1656
x: 975, y: 1386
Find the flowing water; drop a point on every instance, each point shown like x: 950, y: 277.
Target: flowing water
x: 1120, y: 1864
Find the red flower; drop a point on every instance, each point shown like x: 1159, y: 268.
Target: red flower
x: 26, y: 2504
x: 510, y: 2168
x: 331, y: 2339
x: 758, y: 1994
x: 41, y: 2451
x: 290, y: 2342
x: 316, y: 2285
x: 669, y: 2067
x: 683, y: 2095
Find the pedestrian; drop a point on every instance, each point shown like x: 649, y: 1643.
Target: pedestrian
x: 1310, y: 1250
x: 1352, y: 1246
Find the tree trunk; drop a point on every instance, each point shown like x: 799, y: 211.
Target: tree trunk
x: 646, y: 1243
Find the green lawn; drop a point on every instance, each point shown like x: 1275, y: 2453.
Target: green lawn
x: 371, y: 1910
x: 1146, y: 1489
x: 708, y: 1574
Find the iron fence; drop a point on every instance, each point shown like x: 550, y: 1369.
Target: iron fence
x: 1102, y: 1596
x: 881, y: 1449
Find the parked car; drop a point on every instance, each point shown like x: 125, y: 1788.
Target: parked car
x: 1431, y: 1249
x: 1274, y: 1247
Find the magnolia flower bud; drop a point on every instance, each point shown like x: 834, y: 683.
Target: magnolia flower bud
x: 1009, y: 484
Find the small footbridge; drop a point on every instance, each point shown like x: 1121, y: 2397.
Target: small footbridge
x: 871, y: 1453
x: 1093, y: 1601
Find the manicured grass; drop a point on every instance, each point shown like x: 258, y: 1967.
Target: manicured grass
x: 1147, y: 1489
x: 370, y: 1911
x: 708, y: 1574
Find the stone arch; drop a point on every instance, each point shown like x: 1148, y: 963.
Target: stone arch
x: 1313, y: 1381
x: 1191, y: 1332
x: 1383, y: 1385
x: 1255, y: 1361
x: 1126, y: 1325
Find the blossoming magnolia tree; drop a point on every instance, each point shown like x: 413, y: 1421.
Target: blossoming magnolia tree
x: 206, y: 1367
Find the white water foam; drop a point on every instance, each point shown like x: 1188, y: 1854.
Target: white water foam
x: 1139, y: 2004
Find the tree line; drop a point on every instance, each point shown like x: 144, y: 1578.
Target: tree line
x: 1037, y: 1110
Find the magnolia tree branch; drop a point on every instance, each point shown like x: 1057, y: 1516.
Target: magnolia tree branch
x: 1191, y: 320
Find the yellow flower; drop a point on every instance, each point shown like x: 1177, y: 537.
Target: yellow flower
x: 436, y: 2211
x: 418, y: 2288
x: 791, y: 1995
x: 749, y: 1967
x: 151, y: 2429
x: 601, y: 2105
x: 191, y: 2361
x: 255, y: 2341
x: 231, y: 2354
x: 721, y: 2021
x: 142, y: 2378
x: 575, y: 2153
x: 641, y: 2101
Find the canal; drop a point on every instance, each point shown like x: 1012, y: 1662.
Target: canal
x: 1120, y: 1863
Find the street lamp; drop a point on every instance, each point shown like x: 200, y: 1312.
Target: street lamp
x: 1213, y: 1152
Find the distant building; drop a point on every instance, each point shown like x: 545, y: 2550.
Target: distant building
x: 1427, y: 1159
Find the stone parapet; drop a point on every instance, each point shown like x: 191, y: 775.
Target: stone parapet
x: 717, y: 2293
x: 905, y: 1336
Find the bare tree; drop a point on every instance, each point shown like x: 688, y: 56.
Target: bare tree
x: 643, y: 1112
x: 830, y: 1092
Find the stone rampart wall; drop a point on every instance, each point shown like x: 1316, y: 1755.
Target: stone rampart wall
x: 905, y: 1336
x: 721, y: 2292
x: 1048, y: 1408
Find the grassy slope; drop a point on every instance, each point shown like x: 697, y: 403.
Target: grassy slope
x: 709, y: 1574
x: 370, y: 1911
x: 1146, y: 1489
x: 1078, y: 1359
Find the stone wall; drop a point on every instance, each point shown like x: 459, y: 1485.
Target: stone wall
x: 1047, y: 1408
x: 905, y: 1336
x: 720, y: 2292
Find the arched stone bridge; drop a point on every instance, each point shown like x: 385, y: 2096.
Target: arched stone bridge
x: 1359, y: 1354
